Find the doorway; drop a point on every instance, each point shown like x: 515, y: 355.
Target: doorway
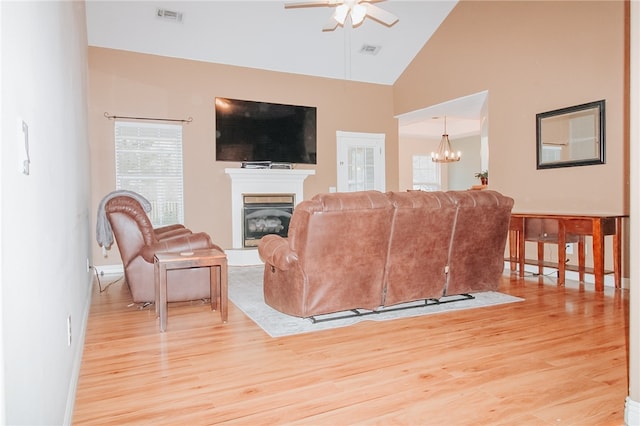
x: 420, y: 132
x: 360, y: 161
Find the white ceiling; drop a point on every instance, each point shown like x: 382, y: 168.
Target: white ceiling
x: 263, y: 34
x: 464, y: 118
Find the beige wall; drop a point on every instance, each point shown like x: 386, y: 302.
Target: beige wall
x: 130, y: 84
x: 532, y: 57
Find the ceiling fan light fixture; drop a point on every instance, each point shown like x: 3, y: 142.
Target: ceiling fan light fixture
x: 355, y: 10
x: 358, y: 13
x: 341, y: 13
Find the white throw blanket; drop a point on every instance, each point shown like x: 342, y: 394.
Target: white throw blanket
x: 104, y: 233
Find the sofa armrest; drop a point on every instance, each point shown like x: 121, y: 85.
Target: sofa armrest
x: 274, y: 250
x: 188, y: 242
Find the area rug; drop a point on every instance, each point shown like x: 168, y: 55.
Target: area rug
x: 245, y: 292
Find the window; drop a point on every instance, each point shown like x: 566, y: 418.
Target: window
x: 361, y: 168
x: 426, y: 173
x: 149, y: 162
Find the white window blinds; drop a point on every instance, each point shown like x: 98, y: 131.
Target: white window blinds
x: 149, y: 162
x: 426, y: 173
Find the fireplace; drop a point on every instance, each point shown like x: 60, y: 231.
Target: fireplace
x: 264, y: 214
x: 258, y: 181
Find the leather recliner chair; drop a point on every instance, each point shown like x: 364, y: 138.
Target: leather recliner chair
x: 138, y: 242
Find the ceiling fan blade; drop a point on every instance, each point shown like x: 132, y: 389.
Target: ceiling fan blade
x: 311, y: 3
x: 380, y: 15
x: 331, y: 24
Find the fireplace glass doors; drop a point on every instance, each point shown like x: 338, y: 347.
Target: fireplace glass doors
x: 265, y: 214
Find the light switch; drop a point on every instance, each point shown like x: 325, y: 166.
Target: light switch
x: 23, y: 138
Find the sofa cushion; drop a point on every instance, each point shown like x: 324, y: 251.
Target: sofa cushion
x: 476, y: 258
x: 419, y: 246
x: 339, y: 243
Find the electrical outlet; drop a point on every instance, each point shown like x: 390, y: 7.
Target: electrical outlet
x: 568, y: 248
x: 69, y: 330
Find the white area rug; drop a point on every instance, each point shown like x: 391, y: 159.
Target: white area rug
x: 245, y: 291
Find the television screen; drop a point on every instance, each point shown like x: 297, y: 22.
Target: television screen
x: 262, y: 131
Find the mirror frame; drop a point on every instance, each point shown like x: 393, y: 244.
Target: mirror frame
x: 599, y: 134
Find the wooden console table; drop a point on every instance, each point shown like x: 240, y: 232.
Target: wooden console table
x: 596, y: 226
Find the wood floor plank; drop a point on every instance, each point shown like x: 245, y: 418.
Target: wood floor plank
x: 559, y: 357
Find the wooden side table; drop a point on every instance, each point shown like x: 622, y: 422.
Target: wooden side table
x: 214, y: 259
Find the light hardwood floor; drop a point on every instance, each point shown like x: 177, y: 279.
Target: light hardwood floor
x: 558, y: 358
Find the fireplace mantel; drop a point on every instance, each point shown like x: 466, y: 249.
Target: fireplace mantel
x: 259, y: 181
x: 272, y: 175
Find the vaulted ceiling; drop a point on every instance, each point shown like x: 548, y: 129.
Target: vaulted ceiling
x: 264, y: 34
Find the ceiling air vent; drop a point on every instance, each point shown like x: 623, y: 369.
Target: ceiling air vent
x: 169, y: 15
x: 370, y: 49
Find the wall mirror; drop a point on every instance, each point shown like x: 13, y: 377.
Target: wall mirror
x: 572, y: 136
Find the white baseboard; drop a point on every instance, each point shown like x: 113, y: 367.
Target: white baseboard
x: 243, y: 257
x: 609, y: 280
x: 631, y: 412
x: 247, y: 257
x: 77, y: 359
x: 235, y: 257
x: 110, y: 269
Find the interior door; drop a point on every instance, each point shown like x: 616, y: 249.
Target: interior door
x: 360, y: 161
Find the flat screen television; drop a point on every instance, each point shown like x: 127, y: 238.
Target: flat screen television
x: 249, y: 131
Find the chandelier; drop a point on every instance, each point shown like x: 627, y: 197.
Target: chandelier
x: 445, y: 153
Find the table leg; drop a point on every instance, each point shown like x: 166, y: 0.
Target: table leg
x: 513, y: 249
x: 581, y: 258
x: 224, y: 300
x: 598, y: 255
x: 540, y: 258
x: 562, y: 252
x: 156, y: 283
x: 521, y: 254
x: 617, y: 253
x: 214, y: 283
x: 163, y: 297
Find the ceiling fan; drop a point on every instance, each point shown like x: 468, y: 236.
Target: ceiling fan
x: 356, y: 9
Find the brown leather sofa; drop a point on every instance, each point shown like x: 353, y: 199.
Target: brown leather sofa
x: 138, y: 242
x: 370, y: 250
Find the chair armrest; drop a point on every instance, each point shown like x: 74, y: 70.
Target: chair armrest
x: 172, y: 233
x: 274, y: 250
x: 163, y: 229
x: 178, y: 244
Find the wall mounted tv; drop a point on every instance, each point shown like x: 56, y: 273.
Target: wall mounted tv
x: 260, y: 131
